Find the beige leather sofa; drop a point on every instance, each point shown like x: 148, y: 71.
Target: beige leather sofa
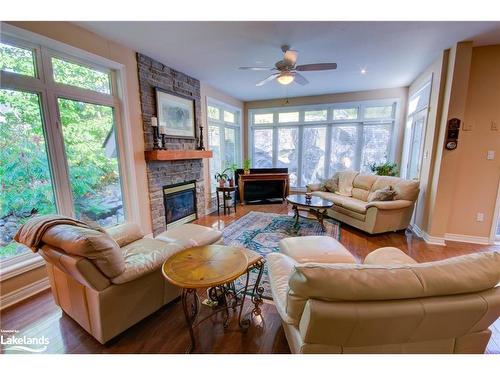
x: 107, y: 282
x: 388, y: 304
x: 371, y: 217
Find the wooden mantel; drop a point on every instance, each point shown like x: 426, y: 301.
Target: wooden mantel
x: 163, y: 155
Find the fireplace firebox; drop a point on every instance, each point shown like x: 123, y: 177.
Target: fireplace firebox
x: 180, y: 203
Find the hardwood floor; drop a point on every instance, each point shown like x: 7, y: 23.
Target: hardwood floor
x: 165, y: 330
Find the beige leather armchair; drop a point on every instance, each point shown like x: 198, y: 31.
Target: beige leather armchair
x: 107, y: 282
x: 389, y: 304
x: 351, y: 206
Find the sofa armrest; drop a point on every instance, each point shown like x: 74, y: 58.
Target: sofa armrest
x: 390, y: 205
x: 388, y: 256
x: 313, y: 187
x: 280, y: 267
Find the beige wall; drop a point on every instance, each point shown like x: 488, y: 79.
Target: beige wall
x: 446, y: 167
x: 207, y: 92
x: 459, y: 184
x: 476, y: 179
x: 400, y: 93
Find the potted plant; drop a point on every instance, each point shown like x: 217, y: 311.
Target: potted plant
x: 246, y: 166
x: 221, y: 178
x: 385, y: 169
x: 233, y: 167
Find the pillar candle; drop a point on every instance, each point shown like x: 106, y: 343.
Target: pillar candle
x: 163, y: 129
x: 154, y: 121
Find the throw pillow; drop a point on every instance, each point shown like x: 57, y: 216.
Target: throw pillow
x: 332, y: 184
x: 385, y: 194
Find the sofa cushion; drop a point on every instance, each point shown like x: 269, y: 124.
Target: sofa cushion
x: 98, y: 247
x: 353, y: 204
x: 388, y: 255
x: 191, y: 235
x: 349, y: 282
x: 346, y: 179
x: 144, y: 256
x: 362, y: 185
x: 347, y: 212
x: 405, y: 189
x: 321, y: 249
x: 125, y: 233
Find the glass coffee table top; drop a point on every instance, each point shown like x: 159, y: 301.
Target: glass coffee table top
x: 315, y: 202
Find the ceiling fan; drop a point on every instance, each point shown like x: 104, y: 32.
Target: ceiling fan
x: 288, y: 71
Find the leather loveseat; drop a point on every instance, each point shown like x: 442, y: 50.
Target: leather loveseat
x: 109, y: 281
x: 351, y: 205
x: 388, y: 304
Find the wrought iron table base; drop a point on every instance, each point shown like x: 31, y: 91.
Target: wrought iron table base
x: 318, y: 213
x: 221, y: 294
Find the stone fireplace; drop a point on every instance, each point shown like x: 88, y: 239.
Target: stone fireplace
x: 164, y: 173
x: 180, y: 203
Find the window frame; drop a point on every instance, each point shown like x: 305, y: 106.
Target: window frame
x: 49, y: 91
x: 236, y: 125
x: 329, y: 123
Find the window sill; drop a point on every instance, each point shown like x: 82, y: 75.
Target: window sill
x: 18, y: 265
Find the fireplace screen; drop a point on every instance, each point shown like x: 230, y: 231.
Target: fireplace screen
x: 180, y: 203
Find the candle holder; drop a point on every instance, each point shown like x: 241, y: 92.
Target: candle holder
x: 156, y: 139
x: 201, y: 146
x: 156, y: 133
x: 163, y: 142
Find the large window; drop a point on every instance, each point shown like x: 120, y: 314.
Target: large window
x: 58, y: 146
x: 314, y: 142
x: 223, y: 137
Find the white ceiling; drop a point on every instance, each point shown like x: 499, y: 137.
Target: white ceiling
x: 393, y: 53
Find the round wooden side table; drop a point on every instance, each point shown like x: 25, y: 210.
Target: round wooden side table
x: 215, y: 267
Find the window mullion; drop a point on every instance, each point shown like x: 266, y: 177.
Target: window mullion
x: 328, y: 146
x: 57, y: 158
x: 359, y: 150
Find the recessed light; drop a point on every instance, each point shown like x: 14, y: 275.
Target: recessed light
x: 363, y: 71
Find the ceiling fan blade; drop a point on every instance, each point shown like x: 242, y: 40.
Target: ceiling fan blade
x: 255, y: 68
x: 300, y: 79
x: 268, y: 79
x: 290, y: 57
x: 312, y: 67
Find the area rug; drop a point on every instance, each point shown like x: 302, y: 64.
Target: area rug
x: 262, y: 232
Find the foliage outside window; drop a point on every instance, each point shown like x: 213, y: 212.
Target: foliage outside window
x: 349, y: 140
x: 88, y: 135
x: 80, y: 76
x: 17, y: 60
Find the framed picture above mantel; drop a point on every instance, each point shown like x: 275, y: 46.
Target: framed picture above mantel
x: 176, y: 115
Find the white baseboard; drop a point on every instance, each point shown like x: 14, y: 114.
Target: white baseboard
x: 468, y: 239
x: 26, y: 291
x: 431, y: 240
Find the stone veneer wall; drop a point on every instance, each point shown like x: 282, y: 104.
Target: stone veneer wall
x: 154, y: 74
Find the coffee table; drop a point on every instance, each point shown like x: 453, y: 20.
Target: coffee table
x: 316, y: 205
x: 215, y: 267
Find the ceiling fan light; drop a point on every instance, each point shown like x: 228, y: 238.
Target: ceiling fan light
x: 285, y: 78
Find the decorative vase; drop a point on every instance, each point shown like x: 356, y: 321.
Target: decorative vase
x: 221, y: 183
x: 231, y: 182
x: 246, y: 171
